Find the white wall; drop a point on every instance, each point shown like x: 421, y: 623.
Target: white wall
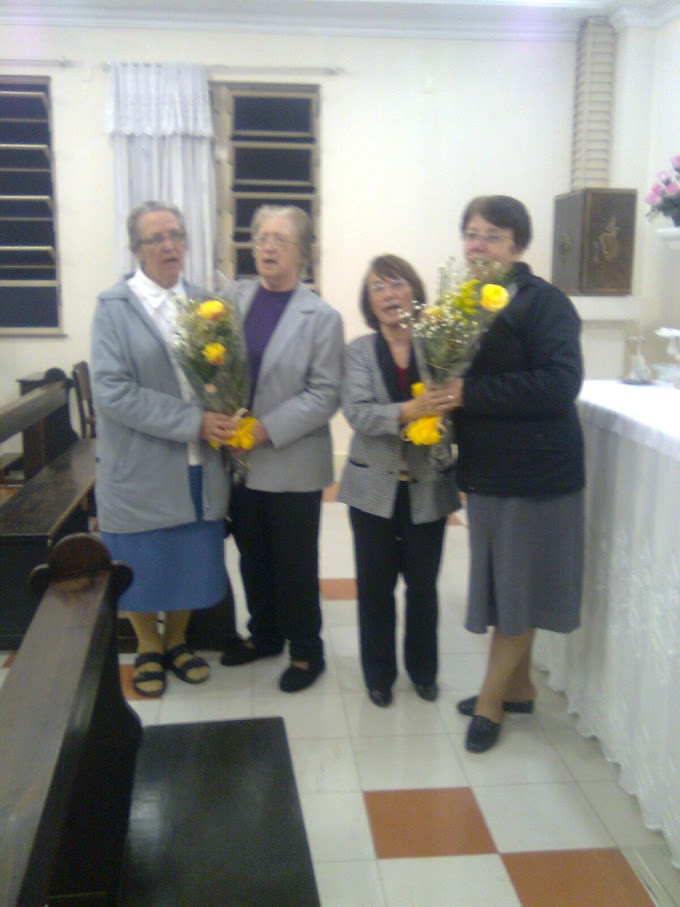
x: 646, y: 136
x: 410, y: 131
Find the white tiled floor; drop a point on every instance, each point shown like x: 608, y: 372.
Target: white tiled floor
x: 542, y: 788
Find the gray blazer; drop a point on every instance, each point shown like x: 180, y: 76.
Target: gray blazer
x: 371, y: 477
x: 143, y: 425
x: 297, y: 392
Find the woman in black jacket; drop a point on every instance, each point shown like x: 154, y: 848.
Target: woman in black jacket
x: 521, y: 465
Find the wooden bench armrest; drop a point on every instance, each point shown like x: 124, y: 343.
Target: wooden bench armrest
x: 46, y: 707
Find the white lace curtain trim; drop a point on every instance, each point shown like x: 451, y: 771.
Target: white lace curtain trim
x: 159, y: 99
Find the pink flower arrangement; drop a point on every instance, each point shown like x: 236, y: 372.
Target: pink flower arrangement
x: 664, y: 196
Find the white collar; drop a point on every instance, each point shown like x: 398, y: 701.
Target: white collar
x: 152, y: 292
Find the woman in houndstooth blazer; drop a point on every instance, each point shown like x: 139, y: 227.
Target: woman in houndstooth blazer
x: 397, y: 502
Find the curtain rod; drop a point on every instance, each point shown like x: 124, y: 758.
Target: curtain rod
x: 263, y: 70
x: 37, y: 61
x: 281, y: 70
x: 64, y: 63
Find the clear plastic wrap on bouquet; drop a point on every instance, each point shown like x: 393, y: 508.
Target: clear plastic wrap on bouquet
x: 446, y: 334
x: 211, y: 350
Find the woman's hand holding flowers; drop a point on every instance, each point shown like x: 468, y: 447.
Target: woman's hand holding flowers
x: 244, y: 433
x: 424, y: 412
x: 215, y: 428
x: 431, y: 401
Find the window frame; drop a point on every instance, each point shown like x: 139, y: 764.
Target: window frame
x: 233, y: 245
x: 42, y: 309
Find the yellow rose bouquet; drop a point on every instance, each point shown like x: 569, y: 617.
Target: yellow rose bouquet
x: 211, y: 351
x: 447, y: 333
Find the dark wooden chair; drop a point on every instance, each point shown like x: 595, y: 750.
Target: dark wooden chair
x: 83, y: 388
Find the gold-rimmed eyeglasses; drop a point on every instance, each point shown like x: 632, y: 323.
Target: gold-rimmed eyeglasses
x: 391, y: 283
x: 489, y: 239
x: 262, y: 240
x: 157, y: 239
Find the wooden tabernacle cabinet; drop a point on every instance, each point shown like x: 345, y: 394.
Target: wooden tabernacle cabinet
x: 593, y: 241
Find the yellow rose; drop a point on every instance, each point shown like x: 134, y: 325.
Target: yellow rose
x: 494, y: 298
x: 424, y: 431
x: 243, y: 436
x: 215, y: 353
x: 211, y: 310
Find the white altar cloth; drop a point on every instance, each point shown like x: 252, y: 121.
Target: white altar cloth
x: 621, y: 668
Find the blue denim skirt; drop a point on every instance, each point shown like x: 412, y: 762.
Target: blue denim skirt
x: 175, y: 569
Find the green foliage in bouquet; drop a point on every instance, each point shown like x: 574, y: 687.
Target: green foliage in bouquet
x: 211, y: 350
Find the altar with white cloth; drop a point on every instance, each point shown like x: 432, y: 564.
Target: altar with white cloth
x: 621, y: 668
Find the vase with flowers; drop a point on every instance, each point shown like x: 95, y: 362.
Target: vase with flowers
x: 664, y: 196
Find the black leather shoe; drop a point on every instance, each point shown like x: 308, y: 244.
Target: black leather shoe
x: 526, y: 707
x: 427, y: 691
x: 242, y: 652
x: 295, y: 679
x: 482, y: 734
x: 381, y: 698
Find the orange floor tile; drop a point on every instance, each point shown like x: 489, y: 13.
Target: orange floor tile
x: 427, y: 823
x: 329, y: 494
x: 338, y: 589
x: 596, y: 878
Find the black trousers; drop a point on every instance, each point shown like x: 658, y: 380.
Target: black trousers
x: 383, y: 549
x: 277, y: 534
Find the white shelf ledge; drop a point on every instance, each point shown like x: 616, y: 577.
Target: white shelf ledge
x: 670, y: 235
x: 608, y: 308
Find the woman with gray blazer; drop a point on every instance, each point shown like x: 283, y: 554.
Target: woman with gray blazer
x: 295, y: 343
x: 398, y: 499
x: 162, y: 491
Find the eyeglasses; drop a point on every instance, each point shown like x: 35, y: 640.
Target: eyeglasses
x: 394, y: 283
x: 274, y: 239
x: 489, y: 239
x: 157, y: 239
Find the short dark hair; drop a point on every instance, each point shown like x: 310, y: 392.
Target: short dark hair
x: 501, y: 211
x: 389, y: 266
x: 142, y: 208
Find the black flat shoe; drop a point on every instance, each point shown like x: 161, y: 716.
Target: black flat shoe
x: 427, y: 691
x: 239, y: 652
x: 381, y: 698
x: 482, y: 734
x: 295, y: 679
x: 526, y: 707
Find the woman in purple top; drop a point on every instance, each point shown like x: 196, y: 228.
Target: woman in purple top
x: 295, y: 348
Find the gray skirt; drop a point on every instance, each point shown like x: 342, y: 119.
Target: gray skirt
x: 526, y: 563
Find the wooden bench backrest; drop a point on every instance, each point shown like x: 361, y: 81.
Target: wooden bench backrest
x: 83, y: 389
x: 63, y: 725
x: 23, y: 412
x: 42, y: 415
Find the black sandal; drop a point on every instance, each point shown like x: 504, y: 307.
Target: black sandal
x: 182, y: 670
x: 148, y: 676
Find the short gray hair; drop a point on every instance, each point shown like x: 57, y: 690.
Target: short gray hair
x: 300, y: 220
x: 133, y: 217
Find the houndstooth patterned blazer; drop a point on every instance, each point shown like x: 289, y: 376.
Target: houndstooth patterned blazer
x: 371, y: 476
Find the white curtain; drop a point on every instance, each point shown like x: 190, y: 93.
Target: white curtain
x: 160, y: 121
